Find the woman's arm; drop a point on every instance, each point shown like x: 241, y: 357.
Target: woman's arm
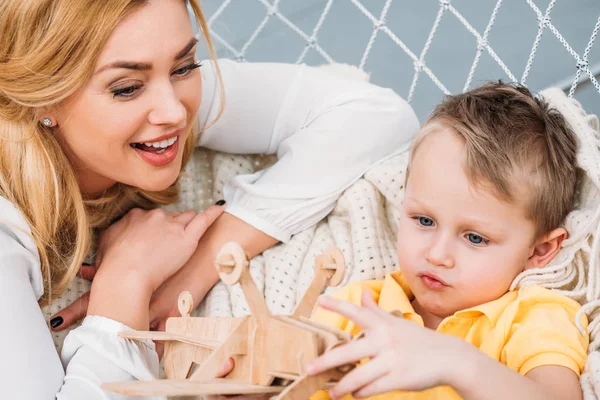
x: 32, y: 369
x: 326, y: 132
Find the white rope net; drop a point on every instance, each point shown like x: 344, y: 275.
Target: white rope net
x: 453, y: 44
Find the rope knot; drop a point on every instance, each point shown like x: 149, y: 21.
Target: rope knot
x: 544, y: 21
x: 583, y: 64
x: 445, y: 4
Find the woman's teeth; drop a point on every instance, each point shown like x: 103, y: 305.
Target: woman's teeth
x: 156, y: 147
x: 163, y: 143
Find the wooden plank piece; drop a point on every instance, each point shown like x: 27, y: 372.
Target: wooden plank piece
x: 167, y: 336
x: 185, y: 387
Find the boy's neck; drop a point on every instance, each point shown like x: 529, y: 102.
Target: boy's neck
x: 430, y: 320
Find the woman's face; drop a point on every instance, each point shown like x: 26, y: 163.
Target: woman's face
x: 129, y: 123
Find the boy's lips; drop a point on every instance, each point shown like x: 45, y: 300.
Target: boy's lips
x: 432, y: 281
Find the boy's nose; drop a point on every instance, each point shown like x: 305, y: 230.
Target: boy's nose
x: 440, y: 252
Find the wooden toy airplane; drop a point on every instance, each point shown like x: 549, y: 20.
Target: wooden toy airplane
x: 269, y: 351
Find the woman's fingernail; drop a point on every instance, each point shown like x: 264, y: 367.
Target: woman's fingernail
x: 220, y: 202
x: 56, y: 322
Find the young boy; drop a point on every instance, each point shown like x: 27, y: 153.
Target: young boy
x: 491, y: 180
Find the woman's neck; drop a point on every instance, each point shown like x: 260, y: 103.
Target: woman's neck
x: 91, y: 184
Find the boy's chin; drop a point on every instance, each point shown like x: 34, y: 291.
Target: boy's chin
x: 436, y: 307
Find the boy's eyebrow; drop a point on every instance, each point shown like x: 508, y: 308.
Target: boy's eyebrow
x: 484, y: 227
x: 422, y: 203
x: 143, y: 66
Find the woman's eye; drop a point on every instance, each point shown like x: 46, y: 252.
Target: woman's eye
x: 186, y: 70
x: 125, y: 92
x: 476, y: 239
x: 425, y: 221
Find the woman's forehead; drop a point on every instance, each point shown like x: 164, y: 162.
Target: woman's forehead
x: 155, y: 30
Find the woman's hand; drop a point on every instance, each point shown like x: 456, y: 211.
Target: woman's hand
x: 137, y: 254
x: 199, y: 275
x: 403, y: 355
x: 225, y: 369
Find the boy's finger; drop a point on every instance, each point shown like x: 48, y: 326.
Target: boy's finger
x: 349, y: 353
x: 360, y: 377
x: 362, y: 316
x: 201, y: 222
x: 70, y: 315
x: 368, y: 302
x: 382, y: 384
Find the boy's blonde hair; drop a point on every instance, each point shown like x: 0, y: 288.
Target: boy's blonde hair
x: 513, y: 141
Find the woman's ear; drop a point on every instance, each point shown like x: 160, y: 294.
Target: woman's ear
x: 546, y: 248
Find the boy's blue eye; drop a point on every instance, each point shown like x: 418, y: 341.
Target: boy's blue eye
x: 475, y: 239
x: 424, y: 221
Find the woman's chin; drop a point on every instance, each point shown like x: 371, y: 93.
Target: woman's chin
x: 158, y: 183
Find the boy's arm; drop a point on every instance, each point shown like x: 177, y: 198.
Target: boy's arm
x: 480, y: 376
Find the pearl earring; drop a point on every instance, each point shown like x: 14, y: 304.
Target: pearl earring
x: 47, y: 122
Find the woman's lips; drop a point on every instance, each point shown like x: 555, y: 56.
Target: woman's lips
x: 159, y: 159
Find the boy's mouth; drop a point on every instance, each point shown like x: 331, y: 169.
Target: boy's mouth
x: 432, y: 280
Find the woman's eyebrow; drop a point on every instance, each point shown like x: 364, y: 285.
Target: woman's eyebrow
x: 144, y: 66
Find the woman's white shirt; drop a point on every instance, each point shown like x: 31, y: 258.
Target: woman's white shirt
x: 326, y: 133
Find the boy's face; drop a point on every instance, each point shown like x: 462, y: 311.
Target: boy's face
x: 458, y: 246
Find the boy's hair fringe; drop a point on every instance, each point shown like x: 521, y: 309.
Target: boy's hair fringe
x: 514, y: 142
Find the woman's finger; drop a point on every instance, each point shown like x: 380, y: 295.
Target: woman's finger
x: 225, y: 368
x: 87, y: 272
x: 201, y: 222
x: 70, y: 315
x: 159, y: 345
x: 348, y: 353
x: 185, y: 217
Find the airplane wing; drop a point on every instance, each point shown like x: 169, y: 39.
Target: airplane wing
x: 167, y: 336
x: 186, y: 387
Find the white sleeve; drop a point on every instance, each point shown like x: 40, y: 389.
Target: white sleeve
x: 326, y: 131
x: 31, y: 368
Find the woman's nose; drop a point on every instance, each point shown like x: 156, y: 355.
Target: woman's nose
x: 168, y: 109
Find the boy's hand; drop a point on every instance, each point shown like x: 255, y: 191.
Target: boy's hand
x: 403, y: 355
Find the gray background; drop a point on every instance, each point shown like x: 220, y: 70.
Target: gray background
x: 346, y: 31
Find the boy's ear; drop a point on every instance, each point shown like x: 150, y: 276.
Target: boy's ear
x: 546, y: 248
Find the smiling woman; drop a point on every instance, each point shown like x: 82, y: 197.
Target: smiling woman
x: 101, y: 106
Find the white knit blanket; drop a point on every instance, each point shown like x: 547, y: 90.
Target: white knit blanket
x: 363, y: 225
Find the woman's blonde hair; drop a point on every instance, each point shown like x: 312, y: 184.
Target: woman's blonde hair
x: 48, y: 51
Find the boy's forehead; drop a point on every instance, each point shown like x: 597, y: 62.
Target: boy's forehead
x: 438, y: 178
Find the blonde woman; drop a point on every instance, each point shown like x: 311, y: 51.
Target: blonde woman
x: 98, y: 102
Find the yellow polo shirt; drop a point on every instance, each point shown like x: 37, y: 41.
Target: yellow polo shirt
x: 522, y: 329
